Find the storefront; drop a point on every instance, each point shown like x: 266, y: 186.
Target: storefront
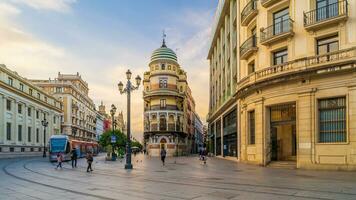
x: 230, y: 134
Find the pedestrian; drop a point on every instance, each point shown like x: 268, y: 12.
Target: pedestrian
x: 59, y: 160
x: 163, y: 155
x: 204, y: 155
x: 89, y: 161
x: 74, y: 157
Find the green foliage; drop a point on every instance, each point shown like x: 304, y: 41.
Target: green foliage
x: 105, y: 139
x: 136, y: 143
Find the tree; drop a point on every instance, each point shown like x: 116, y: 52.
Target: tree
x: 105, y: 139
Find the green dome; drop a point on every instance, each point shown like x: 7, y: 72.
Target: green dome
x: 164, y: 53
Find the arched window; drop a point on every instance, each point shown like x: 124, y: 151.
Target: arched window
x: 162, y: 123
x: 163, y: 67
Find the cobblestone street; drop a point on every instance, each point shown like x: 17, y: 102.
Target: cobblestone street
x: 181, y: 178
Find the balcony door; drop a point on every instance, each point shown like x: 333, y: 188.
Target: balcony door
x: 326, y: 9
x: 281, y: 21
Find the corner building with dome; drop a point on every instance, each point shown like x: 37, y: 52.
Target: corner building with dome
x: 168, y: 106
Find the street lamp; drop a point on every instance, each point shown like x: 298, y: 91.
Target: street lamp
x: 112, y: 112
x: 128, y: 88
x: 44, y: 124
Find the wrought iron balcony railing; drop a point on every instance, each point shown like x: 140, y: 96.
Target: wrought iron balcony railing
x: 328, y: 12
x: 277, y: 29
x: 249, y: 12
x: 248, y: 46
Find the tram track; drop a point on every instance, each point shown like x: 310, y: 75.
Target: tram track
x: 203, y: 180
x: 238, y: 184
x: 280, y: 191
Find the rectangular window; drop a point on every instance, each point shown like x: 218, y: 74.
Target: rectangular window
x: 163, y: 82
x: 45, y: 99
x: 326, y: 9
x: 54, y: 119
x: 29, y: 111
x: 8, y: 104
x: 30, y: 91
x: 163, y: 103
x: 12, y: 149
x: 281, y: 21
x: 327, y: 45
x: 21, y: 86
x: 251, y: 67
x: 332, y: 120
x: 280, y: 57
x: 22, y: 149
x: 38, y: 95
x: 10, y: 81
x: 58, y: 89
x: 251, y: 129
x: 37, y: 114
x: 19, y: 108
x: 8, y: 131
x: 19, y: 133
x: 29, y: 133
x: 37, y: 135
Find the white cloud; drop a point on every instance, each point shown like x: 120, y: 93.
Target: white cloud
x: 55, y: 5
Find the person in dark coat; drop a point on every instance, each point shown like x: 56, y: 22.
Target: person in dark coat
x: 163, y: 155
x: 74, y: 157
x: 89, y: 161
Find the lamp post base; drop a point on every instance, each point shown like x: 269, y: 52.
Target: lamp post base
x: 128, y: 166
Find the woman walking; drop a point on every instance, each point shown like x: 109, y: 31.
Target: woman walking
x: 89, y: 161
x: 59, y: 160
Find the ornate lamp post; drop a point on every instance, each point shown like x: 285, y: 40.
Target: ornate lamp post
x: 44, y: 124
x: 112, y: 112
x: 128, y: 88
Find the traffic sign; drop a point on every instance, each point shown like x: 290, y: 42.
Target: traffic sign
x: 113, y: 139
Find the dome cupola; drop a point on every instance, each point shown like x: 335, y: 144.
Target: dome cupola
x: 164, y: 53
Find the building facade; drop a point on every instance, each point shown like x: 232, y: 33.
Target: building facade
x: 296, y: 82
x: 198, y: 134
x: 167, y: 105
x: 79, y: 109
x: 99, y: 122
x: 23, y: 107
x: 224, y: 60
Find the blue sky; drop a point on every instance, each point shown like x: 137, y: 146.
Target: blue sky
x: 101, y: 39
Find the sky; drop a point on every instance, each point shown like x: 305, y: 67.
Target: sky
x: 101, y: 39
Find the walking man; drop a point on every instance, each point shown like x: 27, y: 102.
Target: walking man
x: 74, y: 157
x: 163, y: 155
x: 89, y: 161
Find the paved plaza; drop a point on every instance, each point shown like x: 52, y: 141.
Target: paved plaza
x: 181, y: 178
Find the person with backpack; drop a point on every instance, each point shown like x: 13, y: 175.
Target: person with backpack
x: 59, y: 160
x: 90, y: 159
x: 163, y: 155
x: 74, y: 157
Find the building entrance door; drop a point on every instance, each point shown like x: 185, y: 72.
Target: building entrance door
x: 283, y: 141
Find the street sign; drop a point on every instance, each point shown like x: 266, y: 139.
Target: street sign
x: 113, y: 139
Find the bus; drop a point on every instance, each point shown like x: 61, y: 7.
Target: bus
x: 62, y: 144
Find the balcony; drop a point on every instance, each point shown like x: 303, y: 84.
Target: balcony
x: 326, y: 15
x: 334, y: 61
x: 249, y: 12
x: 277, y: 32
x: 267, y: 3
x: 248, y: 47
